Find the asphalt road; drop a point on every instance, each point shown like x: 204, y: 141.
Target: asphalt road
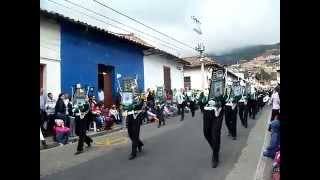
x: 177, y: 151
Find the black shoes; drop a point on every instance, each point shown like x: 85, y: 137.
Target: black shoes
x: 132, y: 157
x: 78, y: 152
x: 214, y: 164
x: 234, y: 138
x: 44, y: 144
x: 140, y: 148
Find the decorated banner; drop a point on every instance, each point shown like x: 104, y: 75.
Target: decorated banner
x: 217, y: 83
x: 160, y: 93
x: 130, y: 85
x: 79, y: 95
x: 236, y: 88
x: 127, y: 98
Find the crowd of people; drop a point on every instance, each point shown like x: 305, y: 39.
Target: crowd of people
x: 61, y: 120
x: 58, y: 118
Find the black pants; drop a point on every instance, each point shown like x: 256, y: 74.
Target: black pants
x: 231, y: 120
x: 201, y: 106
x: 161, y: 119
x: 81, y: 131
x: 242, y: 116
x: 274, y: 113
x: 181, y: 110
x: 134, y: 132
x: 192, y: 108
x: 252, y: 108
x: 212, y: 131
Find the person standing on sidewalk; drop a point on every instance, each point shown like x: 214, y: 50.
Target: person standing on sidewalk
x: 82, y: 117
x: 43, y: 115
x: 212, y: 123
x: 50, y: 108
x: 275, y: 100
x: 180, y: 98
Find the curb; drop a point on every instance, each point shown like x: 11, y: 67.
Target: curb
x: 75, y: 139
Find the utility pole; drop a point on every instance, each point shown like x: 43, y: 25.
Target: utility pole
x: 200, y: 48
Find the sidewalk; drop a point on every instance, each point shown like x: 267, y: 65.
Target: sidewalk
x: 116, y: 128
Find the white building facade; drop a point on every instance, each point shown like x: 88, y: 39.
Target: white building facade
x: 50, y: 73
x: 161, y: 70
x: 195, y: 76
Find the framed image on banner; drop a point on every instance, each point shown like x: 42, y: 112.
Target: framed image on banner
x: 127, y: 98
x: 217, y: 83
x: 236, y: 89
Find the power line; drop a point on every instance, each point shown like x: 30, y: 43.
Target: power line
x: 143, y: 24
x: 69, y: 8
x: 121, y: 23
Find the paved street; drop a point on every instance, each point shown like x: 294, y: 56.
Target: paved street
x: 173, y: 152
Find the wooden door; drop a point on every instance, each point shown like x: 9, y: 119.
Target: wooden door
x: 167, y: 78
x: 107, y: 88
x: 41, y: 75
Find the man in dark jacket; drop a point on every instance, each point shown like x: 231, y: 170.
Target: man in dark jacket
x: 81, y: 119
x: 212, y: 123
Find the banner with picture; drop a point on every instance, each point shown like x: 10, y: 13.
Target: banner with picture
x: 217, y: 83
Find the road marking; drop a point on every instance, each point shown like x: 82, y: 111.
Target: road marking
x: 112, y: 141
x: 260, y: 167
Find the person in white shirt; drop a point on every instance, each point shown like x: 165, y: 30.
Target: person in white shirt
x: 100, y: 95
x: 114, y: 112
x: 50, y: 109
x: 275, y: 101
x: 180, y: 99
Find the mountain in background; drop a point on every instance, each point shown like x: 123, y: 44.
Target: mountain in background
x: 246, y: 53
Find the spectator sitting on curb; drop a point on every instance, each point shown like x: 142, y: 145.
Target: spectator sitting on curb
x: 115, y: 114
x: 275, y: 138
x: 109, y: 121
x: 62, y: 132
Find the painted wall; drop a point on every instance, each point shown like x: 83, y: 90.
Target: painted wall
x: 196, y: 77
x: 50, y: 55
x: 153, y: 72
x: 82, y: 51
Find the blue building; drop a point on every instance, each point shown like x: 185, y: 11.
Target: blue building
x: 93, y: 57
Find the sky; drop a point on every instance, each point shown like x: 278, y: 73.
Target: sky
x: 225, y: 24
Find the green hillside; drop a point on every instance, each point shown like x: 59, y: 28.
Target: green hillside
x: 247, y: 53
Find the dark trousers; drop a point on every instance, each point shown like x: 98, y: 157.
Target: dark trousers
x: 201, y: 106
x: 192, y: 108
x: 242, y: 116
x: 252, y: 108
x: 51, y: 123
x: 161, y: 118
x: 212, y: 131
x: 274, y: 113
x: 134, y: 132
x: 81, y: 131
x: 231, y: 120
x: 181, y: 110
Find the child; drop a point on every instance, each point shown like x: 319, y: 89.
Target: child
x: 115, y: 114
x: 107, y: 118
x: 62, y: 133
x: 99, y: 117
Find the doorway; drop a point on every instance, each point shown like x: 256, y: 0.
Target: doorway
x: 105, y: 82
x: 42, y: 67
x: 167, y: 78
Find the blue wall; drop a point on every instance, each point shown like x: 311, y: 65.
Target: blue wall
x: 82, y: 51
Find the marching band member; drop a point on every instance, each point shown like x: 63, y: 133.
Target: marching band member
x: 212, y: 123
